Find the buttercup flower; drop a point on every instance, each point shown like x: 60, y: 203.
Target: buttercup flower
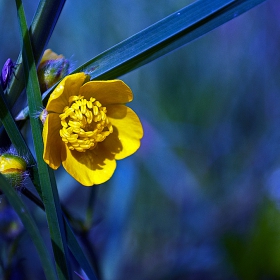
x: 87, y: 128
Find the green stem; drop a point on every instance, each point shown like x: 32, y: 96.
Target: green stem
x: 92, y: 272
x: 46, y: 176
x: 30, y: 227
x: 40, y: 32
x: 20, y: 145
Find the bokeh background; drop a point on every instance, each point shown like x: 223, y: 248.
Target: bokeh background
x: 200, y: 198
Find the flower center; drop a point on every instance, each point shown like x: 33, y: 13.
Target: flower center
x: 84, y: 123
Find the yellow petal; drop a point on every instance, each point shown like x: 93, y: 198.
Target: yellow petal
x: 107, y: 92
x: 125, y: 139
x: 52, y: 141
x: 91, y: 167
x: 69, y: 86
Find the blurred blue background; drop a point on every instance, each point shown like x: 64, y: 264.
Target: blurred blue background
x: 200, y: 198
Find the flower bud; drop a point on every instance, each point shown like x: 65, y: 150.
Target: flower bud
x: 51, y: 69
x: 13, y: 167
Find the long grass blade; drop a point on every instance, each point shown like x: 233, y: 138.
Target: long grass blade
x: 78, y: 252
x: 46, y: 176
x: 165, y: 36
x: 73, y: 244
x: 21, y: 146
x: 162, y: 37
x: 30, y: 227
x: 40, y: 31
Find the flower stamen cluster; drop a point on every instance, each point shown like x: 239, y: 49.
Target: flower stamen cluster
x: 84, y: 123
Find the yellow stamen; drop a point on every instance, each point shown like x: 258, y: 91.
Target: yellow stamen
x: 84, y: 123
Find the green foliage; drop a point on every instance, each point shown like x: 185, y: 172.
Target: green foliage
x: 30, y: 226
x: 258, y: 256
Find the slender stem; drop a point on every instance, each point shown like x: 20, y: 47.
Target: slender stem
x: 40, y: 30
x: 90, y: 249
x: 10, y: 258
x: 94, y: 275
x: 20, y: 145
x: 30, y: 226
x: 46, y: 176
x: 32, y: 197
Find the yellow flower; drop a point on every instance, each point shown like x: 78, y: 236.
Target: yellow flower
x: 88, y: 128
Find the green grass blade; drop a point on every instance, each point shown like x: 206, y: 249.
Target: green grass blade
x: 30, y: 227
x: 162, y: 37
x: 46, y: 176
x: 40, y: 31
x: 78, y: 252
x: 43, y: 24
x: 73, y: 244
x: 20, y: 145
x: 165, y: 36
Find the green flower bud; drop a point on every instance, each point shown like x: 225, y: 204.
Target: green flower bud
x: 13, y: 167
x: 52, y: 68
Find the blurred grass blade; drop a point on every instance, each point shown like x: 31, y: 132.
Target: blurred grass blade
x: 165, y: 36
x: 73, y: 244
x: 78, y: 253
x: 46, y: 176
x: 22, y: 148
x: 40, y: 31
x: 30, y: 227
